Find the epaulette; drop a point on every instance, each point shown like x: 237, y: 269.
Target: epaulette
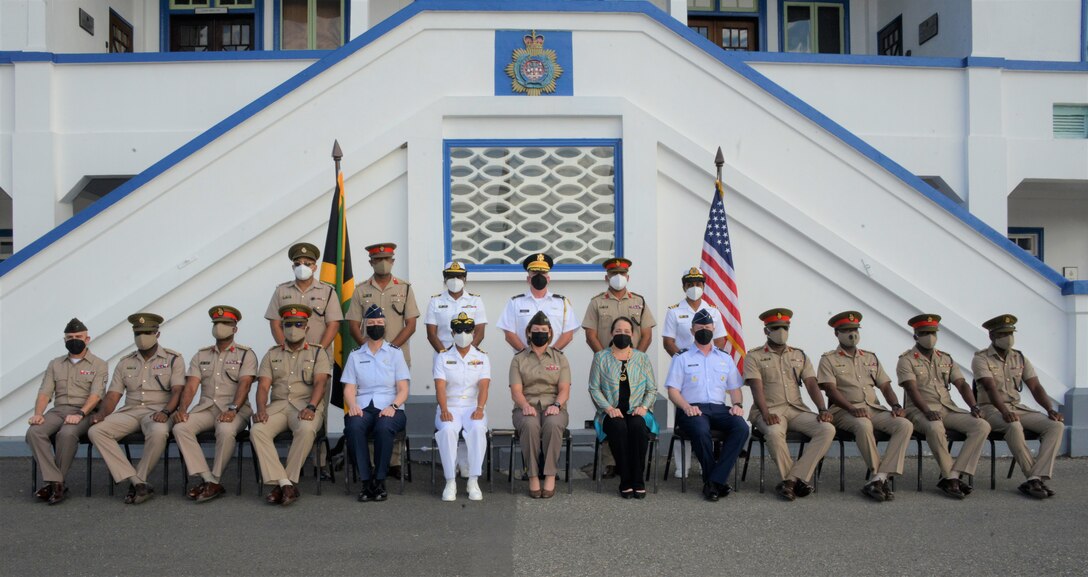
x: 481, y: 350
x: 558, y: 296
x: 830, y: 353
x: 600, y: 294
x: 680, y: 352
x: 205, y: 349
x: 907, y: 352
x: 436, y: 296
x: 755, y: 350
x: 171, y: 352
x: 982, y: 351
x: 274, y: 347
x: 558, y: 351
x: 243, y: 347
x: 672, y: 306
x: 473, y: 295
x: 515, y: 297
x: 391, y: 345
x: 288, y: 283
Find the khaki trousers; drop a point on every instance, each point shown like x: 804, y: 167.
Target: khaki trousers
x: 55, y: 466
x: 540, y: 432
x: 225, y: 439
x: 806, y: 423
x: 105, y: 435
x: 898, y: 428
x: 976, y: 431
x: 1050, y: 438
x: 304, y: 433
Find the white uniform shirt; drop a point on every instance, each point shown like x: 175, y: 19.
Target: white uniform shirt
x: 678, y: 323
x: 462, y: 375
x: 704, y: 378
x: 375, y: 375
x: 443, y: 308
x: 521, y: 309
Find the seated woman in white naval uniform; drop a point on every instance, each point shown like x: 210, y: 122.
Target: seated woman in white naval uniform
x: 462, y: 374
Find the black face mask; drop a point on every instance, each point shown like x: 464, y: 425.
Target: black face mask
x: 539, y: 338
x: 704, y: 336
x: 375, y: 332
x: 75, y: 346
x: 621, y: 341
x: 539, y: 281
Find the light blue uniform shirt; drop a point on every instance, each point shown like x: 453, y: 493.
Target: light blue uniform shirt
x: 375, y: 376
x: 704, y: 378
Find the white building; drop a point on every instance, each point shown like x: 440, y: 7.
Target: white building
x: 885, y: 173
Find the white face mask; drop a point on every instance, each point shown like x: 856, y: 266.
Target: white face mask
x: 618, y: 282
x: 455, y: 285
x: 694, y: 293
x: 303, y: 272
x: 462, y: 340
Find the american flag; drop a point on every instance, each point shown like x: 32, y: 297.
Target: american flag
x: 721, y: 283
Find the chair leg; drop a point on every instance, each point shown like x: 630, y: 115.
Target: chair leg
x: 510, y: 470
x: 166, y: 466
x: 747, y: 457
x: 993, y: 465
x: 919, y: 442
x: 406, y: 462
x: 683, y: 468
x: 238, y: 458
x: 762, y: 462
x: 1012, y: 466
x: 570, y: 488
x: 842, y: 467
x: 88, y: 469
x: 596, y: 463
x: 668, y: 458
x: 317, y: 463
x: 490, y: 463
x: 653, y: 455
x: 33, y: 475
x: 434, y: 451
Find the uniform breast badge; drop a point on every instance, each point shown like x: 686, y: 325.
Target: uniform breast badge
x: 533, y: 70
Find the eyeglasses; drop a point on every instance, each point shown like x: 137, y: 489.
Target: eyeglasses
x: 463, y: 329
x: 294, y: 324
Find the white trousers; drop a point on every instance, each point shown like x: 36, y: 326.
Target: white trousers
x: 475, y: 433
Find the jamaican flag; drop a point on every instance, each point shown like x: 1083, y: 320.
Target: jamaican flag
x: 336, y: 271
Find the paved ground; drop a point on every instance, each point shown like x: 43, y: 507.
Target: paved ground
x: 829, y: 533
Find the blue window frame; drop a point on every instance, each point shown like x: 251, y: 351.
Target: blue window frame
x: 809, y: 27
x: 1028, y: 238
x: 495, y: 181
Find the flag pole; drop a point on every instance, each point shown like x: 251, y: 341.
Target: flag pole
x: 719, y: 161
x: 337, y: 154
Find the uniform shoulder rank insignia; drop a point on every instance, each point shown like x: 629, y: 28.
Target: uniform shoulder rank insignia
x: 392, y: 346
x: 436, y: 296
x: 473, y: 295
x: 680, y: 352
x: 672, y: 306
x: 206, y: 349
x: 243, y: 347
x: 830, y: 353
x: 170, y: 352
x: 481, y: 350
x: 273, y: 347
x: 908, y: 352
x: 516, y: 297
x: 755, y: 350
x: 558, y: 296
x: 558, y: 351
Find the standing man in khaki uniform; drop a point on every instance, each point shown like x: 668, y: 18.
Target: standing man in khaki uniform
x: 74, y: 382
x: 927, y: 374
x: 290, y: 393
x: 851, y: 376
x: 396, y: 298
x: 1003, y: 371
x: 224, y: 373
x: 305, y: 290
x: 151, y: 380
x: 776, y: 372
x: 613, y: 303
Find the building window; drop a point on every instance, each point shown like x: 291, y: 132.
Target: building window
x: 7, y: 244
x: 506, y: 200
x: 120, y: 34
x: 311, y: 24
x: 734, y: 25
x: 1028, y: 238
x: 814, y: 27
x: 213, y: 26
x: 1070, y: 121
x: 889, y: 41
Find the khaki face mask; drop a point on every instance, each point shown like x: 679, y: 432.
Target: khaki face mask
x: 927, y: 340
x: 146, y: 341
x: 294, y: 334
x: 1004, y: 341
x: 850, y: 339
x: 383, y: 265
x: 222, y: 331
x: 778, y: 336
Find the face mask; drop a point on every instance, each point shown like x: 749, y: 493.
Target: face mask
x: 539, y: 338
x: 462, y: 340
x: 75, y: 346
x: 455, y: 285
x: 1004, y: 342
x: 146, y: 342
x: 375, y: 332
x: 849, y: 339
x: 927, y: 341
x: 303, y: 272
x: 778, y: 336
x: 383, y: 266
x: 618, y: 282
x: 704, y: 336
x: 539, y: 281
x: 294, y: 334
x: 621, y: 341
x: 222, y: 331
x: 694, y: 293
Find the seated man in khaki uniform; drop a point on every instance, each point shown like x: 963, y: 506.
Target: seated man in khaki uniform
x: 776, y: 372
x: 926, y: 374
x: 1003, y: 371
x: 224, y: 373
x: 290, y: 395
x: 75, y: 383
x: 151, y: 380
x: 851, y: 376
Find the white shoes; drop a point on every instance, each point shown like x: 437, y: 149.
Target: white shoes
x: 474, y: 492
x: 450, y: 492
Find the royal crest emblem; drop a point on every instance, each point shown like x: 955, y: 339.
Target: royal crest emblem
x: 533, y: 70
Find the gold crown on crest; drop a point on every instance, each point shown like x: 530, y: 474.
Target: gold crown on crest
x: 534, y: 43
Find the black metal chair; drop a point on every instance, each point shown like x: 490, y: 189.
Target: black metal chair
x: 791, y: 437
x: 138, y: 439
x: 716, y: 436
x: 951, y: 435
x: 651, y: 460
x: 460, y: 437
x: 208, y: 438
x: 285, y: 439
x: 993, y: 439
x: 842, y: 437
x: 405, y: 459
x: 515, y: 441
x: 83, y: 440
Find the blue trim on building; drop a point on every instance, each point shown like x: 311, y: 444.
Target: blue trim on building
x: 614, y: 143
x: 1037, y: 231
x: 1075, y: 287
x: 845, y: 23
x: 507, y: 41
x: 1084, y: 31
x: 733, y: 61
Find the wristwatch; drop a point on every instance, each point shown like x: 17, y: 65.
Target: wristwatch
x: 395, y: 406
x: 741, y: 405
x: 232, y: 407
x: 897, y: 406
x: 557, y: 405
x: 311, y: 406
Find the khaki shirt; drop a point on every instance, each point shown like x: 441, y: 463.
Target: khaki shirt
x: 539, y: 377
x: 1008, y: 375
x: 605, y: 308
x: 147, y: 384
x: 292, y: 374
x: 397, y: 301
x: 320, y: 297
x: 856, y: 376
x: 69, y: 384
x: 782, y: 374
x: 219, y: 373
x: 933, y: 378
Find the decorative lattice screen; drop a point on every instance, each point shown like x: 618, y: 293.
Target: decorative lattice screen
x: 507, y: 202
